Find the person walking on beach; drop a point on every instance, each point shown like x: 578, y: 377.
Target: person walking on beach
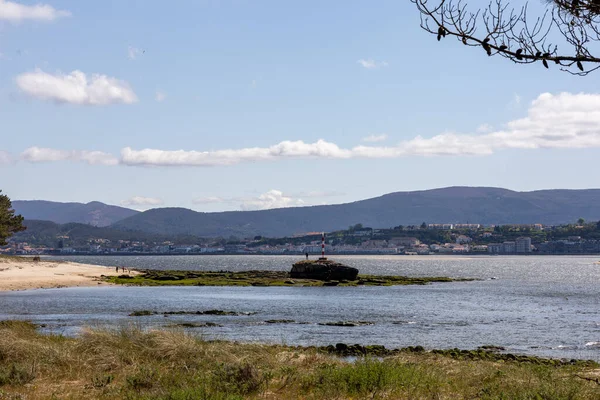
x: 307, y: 256
x: 117, y: 269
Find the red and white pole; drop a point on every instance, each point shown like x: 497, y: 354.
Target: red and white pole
x: 323, y: 245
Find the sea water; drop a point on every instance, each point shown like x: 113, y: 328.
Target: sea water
x: 538, y: 305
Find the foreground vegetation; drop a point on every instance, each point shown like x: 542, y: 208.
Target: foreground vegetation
x: 257, y: 278
x: 171, y: 364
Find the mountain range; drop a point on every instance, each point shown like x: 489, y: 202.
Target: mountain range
x: 94, y: 213
x: 482, y: 205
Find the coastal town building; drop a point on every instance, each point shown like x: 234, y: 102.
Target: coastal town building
x: 443, y: 227
x: 467, y: 226
x: 509, y: 247
x: 404, y: 241
x: 463, y: 239
x: 373, y: 244
x: 523, y: 245
x: 494, y: 248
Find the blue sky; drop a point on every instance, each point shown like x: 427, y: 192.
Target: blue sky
x: 233, y: 104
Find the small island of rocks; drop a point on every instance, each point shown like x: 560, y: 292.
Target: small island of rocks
x: 303, y: 273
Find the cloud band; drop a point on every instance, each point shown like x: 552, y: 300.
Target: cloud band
x: 553, y: 121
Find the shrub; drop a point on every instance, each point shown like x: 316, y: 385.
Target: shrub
x: 15, y: 375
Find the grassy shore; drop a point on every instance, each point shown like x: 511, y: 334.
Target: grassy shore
x: 6, y: 258
x: 258, y: 278
x: 171, y: 364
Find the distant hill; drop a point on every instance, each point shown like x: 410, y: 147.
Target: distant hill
x: 447, y: 205
x: 48, y: 233
x: 94, y: 213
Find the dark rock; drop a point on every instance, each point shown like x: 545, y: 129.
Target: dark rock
x: 323, y: 270
x: 346, y: 323
x: 280, y: 321
x: 376, y: 350
x: 491, y: 348
x: 331, y: 283
x: 194, y: 325
x: 357, y: 350
x: 341, y: 347
x: 141, y: 313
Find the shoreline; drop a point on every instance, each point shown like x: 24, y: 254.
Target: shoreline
x: 21, y: 273
x: 465, y: 256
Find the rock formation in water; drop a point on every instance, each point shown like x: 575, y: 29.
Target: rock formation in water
x: 323, y: 270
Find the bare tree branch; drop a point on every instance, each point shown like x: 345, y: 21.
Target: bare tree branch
x: 513, y: 34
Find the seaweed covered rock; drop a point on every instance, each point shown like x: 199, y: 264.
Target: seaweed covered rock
x: 323, y: 270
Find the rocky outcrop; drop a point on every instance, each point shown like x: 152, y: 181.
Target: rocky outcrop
x: 323, y: 270
x: 346, y: 323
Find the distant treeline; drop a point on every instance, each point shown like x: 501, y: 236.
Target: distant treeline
x: 50, y: 234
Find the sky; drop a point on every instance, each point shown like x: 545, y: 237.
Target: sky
x: 238, y: 105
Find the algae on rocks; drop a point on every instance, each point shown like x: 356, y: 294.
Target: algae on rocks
x: 263, y: 278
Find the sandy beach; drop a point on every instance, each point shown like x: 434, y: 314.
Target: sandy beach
x: 23, y: 274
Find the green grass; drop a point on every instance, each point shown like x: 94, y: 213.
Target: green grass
x: 257, y: 278
x: 130, y: 363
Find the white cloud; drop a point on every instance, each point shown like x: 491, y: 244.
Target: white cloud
x: 16, y: 12
x: 285, y: 149
x: 133, y: 52
x: 160, y: 96
x: 553, y: 121
x: 76, y: 88
x: 270, y: 199
x: 40, y: 154
x: 375, y: 138
x: 372, y: 64
x: 142, y: 202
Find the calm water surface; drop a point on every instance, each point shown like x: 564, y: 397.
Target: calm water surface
x: 546, y: 306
